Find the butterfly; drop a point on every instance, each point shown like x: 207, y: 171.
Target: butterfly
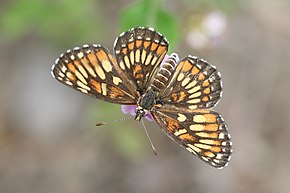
x: 179, y: 94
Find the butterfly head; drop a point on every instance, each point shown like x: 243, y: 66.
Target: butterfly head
x: 140, y: 112
x: 145, y: 104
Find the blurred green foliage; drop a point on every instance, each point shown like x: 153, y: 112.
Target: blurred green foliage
x: 150, y: 13
x: 62, y: 21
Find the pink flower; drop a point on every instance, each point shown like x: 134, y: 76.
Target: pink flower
x: 131, y: 109
x: 208, y: 31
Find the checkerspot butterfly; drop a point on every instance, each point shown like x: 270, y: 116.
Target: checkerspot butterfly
x: 178, y: 94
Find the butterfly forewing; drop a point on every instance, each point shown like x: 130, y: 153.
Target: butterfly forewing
x: 139, y: 53
x: 92, y: 70
x: 194, y: 84
x: 201, y: 132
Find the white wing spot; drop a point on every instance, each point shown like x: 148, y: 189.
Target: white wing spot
x: 56, y: 61
x: 72, y: 57
x: 76, y: 48
x: 80, y: 55
x: 82, y: 85
x: 181, y: 117
x: 185, y: 81
x: 104, y: 89
x: 221, y: 136
x: 179, y: 132
x: 116, y: 80
x: 180, y: 77
x: 63, y: 69
x: 199, y: 119
x: 107, y: 66
x: 68, y: 82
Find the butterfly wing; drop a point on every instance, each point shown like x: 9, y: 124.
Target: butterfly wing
x: 93, y: 71
x: 139, y: 53
x: 193, y: 84
x: 201, y: 132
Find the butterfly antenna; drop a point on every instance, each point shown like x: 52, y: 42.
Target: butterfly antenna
x: 152, y: 146
x: 114, y: 121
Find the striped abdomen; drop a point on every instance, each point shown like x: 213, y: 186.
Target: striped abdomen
x: 161, y: 79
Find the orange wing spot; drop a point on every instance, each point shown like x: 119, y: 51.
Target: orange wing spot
x: 171, y: 125
x: 139, y: 76
x: 207, y: 90
x: 153, y: 46
x: 182, y: 96
x: 215, y: 149
x: 96, y: 86
x: 195, y: 70
x: 92, y: 58
x: 137, y: 72
x: 71, y: 67
x: 101, y: 55
x: 210, y: 118
x: 71, y: 76
x: 138, y: 43
x: 187, y: 66
x: 77, y: 63
x: 161, y: 49
x: 131, y: 46
x: 85, y: 62
x: 217, y: 143
x: 211, y: 127
x: 205, y: 83
x: 213, y: 135
x: 146, y: 44
x: 115, y: 91
x: 201, y: 76
x: 209, y: 154
x: 124, y: 51
x: 136, y: 69
x: 187, y: 137
x: 174, y: 96
x: 205, y: 99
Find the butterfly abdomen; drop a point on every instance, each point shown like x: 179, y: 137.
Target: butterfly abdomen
x: 161, y: 79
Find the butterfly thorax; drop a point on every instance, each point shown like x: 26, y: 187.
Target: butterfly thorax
x: 146, y: 103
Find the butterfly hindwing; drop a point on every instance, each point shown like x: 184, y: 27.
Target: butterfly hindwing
x: 139, y: 53
x: 194, y: 84
x: 93, y: 71
x: 201, y: 132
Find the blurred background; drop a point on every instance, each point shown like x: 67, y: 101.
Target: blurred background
x: 48, y: 139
